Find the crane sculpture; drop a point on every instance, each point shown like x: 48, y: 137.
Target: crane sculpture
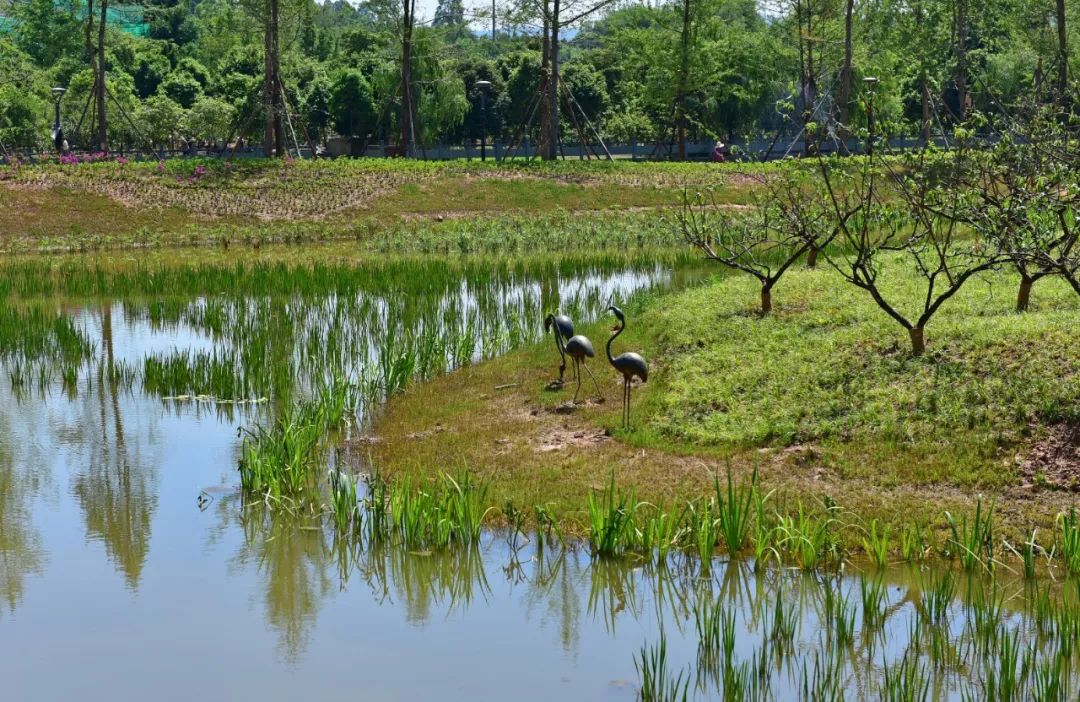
x: 580, y: 348
x: 629, y: 364
x: 564, y: 329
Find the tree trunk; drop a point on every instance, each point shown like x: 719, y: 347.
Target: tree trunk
x: 545, y: 57
x: 102, y: 124
x: 552, y: 151
x: 845, y: 75
x: 681, y: 82
x: 918, y: 343
x: 766, y: 300
x: 924, y: 127
x: 274, y: 128
x: 961, y: 60
x: 811, y: 257
x: 1023, y: 296
x: 408, y: 128
x: 1063, y: 54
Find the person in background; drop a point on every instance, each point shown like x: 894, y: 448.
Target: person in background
x: 718, y: 152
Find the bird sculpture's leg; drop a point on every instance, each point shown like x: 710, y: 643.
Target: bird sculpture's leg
x: 577, y: 373
x: 625, y: 402
x: 595, y: 384
x: 628, y: 389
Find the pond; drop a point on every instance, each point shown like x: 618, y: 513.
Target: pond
x: 132, y: 568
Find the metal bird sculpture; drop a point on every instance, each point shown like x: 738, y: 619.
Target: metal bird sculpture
x: 579, y: 348
x: 629, y: 364
x: 564, y: 329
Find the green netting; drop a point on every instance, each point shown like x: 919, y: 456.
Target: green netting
x: 127, y: 18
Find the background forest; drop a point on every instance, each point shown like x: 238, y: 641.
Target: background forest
x: 705, y: 69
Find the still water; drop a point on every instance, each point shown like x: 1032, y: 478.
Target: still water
x: 129, y: 569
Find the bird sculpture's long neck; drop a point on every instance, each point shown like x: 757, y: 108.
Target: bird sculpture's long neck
x: 622, y: 325
x: 559, y: 344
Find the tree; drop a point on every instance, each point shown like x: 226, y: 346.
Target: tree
x: 160, y: 119
x: 181, y: 88
x: 352, y: 108
x: 922, y: 228
x: 786, y: 222
x: 556, y: 16
x: 47, y: 30
x: 316, y: 106
x: 210, y: 119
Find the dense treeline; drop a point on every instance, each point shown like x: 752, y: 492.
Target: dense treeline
x: 376, y: 70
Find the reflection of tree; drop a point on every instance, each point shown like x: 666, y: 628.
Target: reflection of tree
x: 554, y: 584
x: 117, y: 495
x: 20, y: 547
x: 296, y: 561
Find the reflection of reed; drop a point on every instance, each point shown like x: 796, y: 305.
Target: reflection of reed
x: 448, y: 579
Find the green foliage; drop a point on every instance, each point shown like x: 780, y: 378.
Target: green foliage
x: 161, y: 119
x: 351, y: 105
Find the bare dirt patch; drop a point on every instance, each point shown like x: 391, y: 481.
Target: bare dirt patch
x: 1054, y: 459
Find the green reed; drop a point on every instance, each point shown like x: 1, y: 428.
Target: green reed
x: 805, y: 538
x: 705, y: 527
x: 839, y: 614
x: 1069, y: 540
x: 611, y: 520
x: 344, y: 503
x: 876, y: 544
x: 734, y: 509
x: 437, y: 513
x: 872, y: 594
x: 973, y: 542
x: 938, y: 595
x: 662, y: 531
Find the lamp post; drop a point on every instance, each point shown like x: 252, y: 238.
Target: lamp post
x: 871, y: 83
x: 484, y: 86
x: 57, y: 131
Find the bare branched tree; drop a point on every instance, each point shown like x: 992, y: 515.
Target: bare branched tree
x: 918, y: 225
x: 786, y: 221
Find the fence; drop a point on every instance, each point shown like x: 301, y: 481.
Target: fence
x: 739, y: 150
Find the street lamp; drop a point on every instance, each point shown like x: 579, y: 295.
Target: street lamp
x: 57, y: 132
x: 871, y: 83
x: 484, y: 86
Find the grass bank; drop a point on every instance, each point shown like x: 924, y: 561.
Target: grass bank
x: 194, y: 202
x: 821, y: 398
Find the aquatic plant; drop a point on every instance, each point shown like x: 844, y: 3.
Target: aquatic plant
x: 973, y: 543
x: 611, y: 520
x: 1069, y: 540
x: 344, y: 504
x: 876, y: 544
x: 734, y: 509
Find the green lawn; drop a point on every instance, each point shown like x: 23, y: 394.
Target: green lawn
x: 822, y: 397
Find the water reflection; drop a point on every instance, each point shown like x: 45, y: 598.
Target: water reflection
x: 21, y: 553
